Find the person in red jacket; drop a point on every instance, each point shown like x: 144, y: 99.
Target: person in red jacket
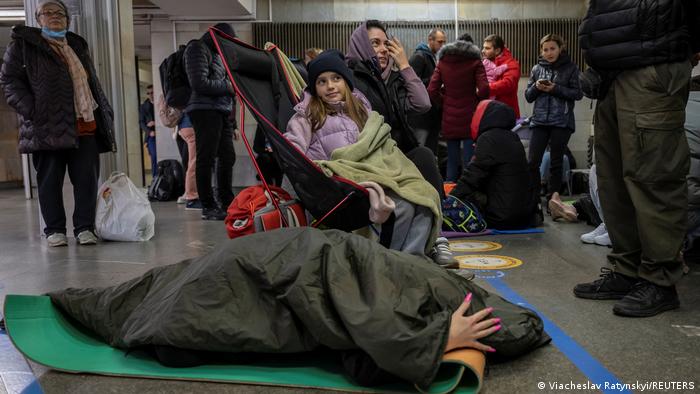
x: 458, y: 83
x: 505, y: 87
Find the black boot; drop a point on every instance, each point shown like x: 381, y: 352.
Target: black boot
x: 610, y: 286
x: 647, y: 299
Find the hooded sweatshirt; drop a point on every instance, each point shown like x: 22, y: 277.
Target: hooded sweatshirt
x: 393, y: 93
x: 497, y: 179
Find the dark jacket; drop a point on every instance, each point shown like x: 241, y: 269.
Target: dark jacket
x: 555, y: 108
x: 304, y: 290
x: 38, y: 86
x: 390, y: 100
x: 146, y: 114
x: 423, y: 63
x: 211, y: 89
x: 497, y: 178
x: 459, y: 81
x: 628, y: 34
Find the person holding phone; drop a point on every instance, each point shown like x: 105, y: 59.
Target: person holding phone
x: 554, y: 88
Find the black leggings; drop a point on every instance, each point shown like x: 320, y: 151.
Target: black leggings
x: 557, y: 138
x: 424, y: 159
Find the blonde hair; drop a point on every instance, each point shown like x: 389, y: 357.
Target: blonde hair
x: 318, y: 111
x: 312, y: 52
x: 556, y: 38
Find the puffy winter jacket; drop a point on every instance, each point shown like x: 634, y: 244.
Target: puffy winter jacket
x: 38, y: 86
x: 497, y: 178
x: 555, y: 108
x: 337, y: 131
x: 211, y: 89
x: 628, y: 34
x: 390, y: 99
x: 459, y: 81
x: 505, y: 89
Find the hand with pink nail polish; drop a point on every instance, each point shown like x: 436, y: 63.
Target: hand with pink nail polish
x: 465, y: 331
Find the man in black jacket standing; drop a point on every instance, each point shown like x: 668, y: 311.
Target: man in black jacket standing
x: 642, y: 52
x: 147, y: 121
x: 427, y: 126
x: 212, y: 110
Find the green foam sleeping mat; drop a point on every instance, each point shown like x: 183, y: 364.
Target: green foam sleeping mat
x: 43, y: 334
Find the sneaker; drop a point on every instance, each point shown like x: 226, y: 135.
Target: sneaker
x: 87, y: 237
x: 647, y: 299
x: 442, y: 255
x: 181, y: 200
x: 603, y: 240
x: 193, y: 205
x: 57, y: 239
x: 213, y: 214
x: 589, y: 238
x: 610, y: 286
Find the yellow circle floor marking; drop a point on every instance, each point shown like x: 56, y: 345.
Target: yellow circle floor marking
x: 474, y: 246
x: 487, y: 262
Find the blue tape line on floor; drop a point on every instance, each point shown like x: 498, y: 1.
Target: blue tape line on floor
x: 594, y: 370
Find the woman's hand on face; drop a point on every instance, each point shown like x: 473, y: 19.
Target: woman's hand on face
x: 397, y: 52
x: 466, y: 330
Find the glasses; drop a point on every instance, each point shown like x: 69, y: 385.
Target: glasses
x: 50, y: 14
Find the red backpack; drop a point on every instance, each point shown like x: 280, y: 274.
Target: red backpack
x: 252, y: 211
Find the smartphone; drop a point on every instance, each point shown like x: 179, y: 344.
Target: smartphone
x: 545, y: 82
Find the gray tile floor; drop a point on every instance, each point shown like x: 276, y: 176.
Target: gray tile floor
x: 662, y: 348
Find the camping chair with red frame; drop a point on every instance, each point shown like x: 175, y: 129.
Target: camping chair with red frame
x: 262, y: 84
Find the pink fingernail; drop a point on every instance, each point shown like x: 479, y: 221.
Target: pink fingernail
x: 490, y: 309
x: 497, y: 320
x: 498, y: 327
x: 468, y: 297
x: 492, y: 350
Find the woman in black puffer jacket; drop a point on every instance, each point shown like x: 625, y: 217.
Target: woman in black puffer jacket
x: 554, y: 87
x: 66, y: 120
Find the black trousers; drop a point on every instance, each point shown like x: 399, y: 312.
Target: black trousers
x: 83, y: 166
x: 425, y: 161
x: 557, y: 138
x: 184, y: 152
x: 214, y: 139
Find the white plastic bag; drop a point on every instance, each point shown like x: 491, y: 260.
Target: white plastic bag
x: 123, y: 211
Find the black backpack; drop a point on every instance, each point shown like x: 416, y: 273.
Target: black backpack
x: 169, y: 182
x: 173, y: 78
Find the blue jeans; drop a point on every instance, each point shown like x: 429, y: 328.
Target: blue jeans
x: 151, y: 144
x: 459, y: 152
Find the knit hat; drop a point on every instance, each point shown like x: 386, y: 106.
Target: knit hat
x: 330, y: 60
x: 58, y: 3
x: 225, y: 28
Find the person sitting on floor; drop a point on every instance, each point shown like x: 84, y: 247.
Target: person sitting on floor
x: 497, y: 179
x: 331, y: 119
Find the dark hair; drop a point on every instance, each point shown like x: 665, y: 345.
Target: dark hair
x: 496, y: 41
x: 149, y: 87
x: 556, y: 38
x: 466, y: 37
x: 373, y: 23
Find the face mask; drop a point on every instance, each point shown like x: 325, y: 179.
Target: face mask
x: 53, y: 34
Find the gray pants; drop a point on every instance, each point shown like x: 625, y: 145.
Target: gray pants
x: 411, y: 227
x: 642, y: 160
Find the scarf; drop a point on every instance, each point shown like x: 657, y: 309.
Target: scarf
x: 360, y: 49
x: 83, y: 100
